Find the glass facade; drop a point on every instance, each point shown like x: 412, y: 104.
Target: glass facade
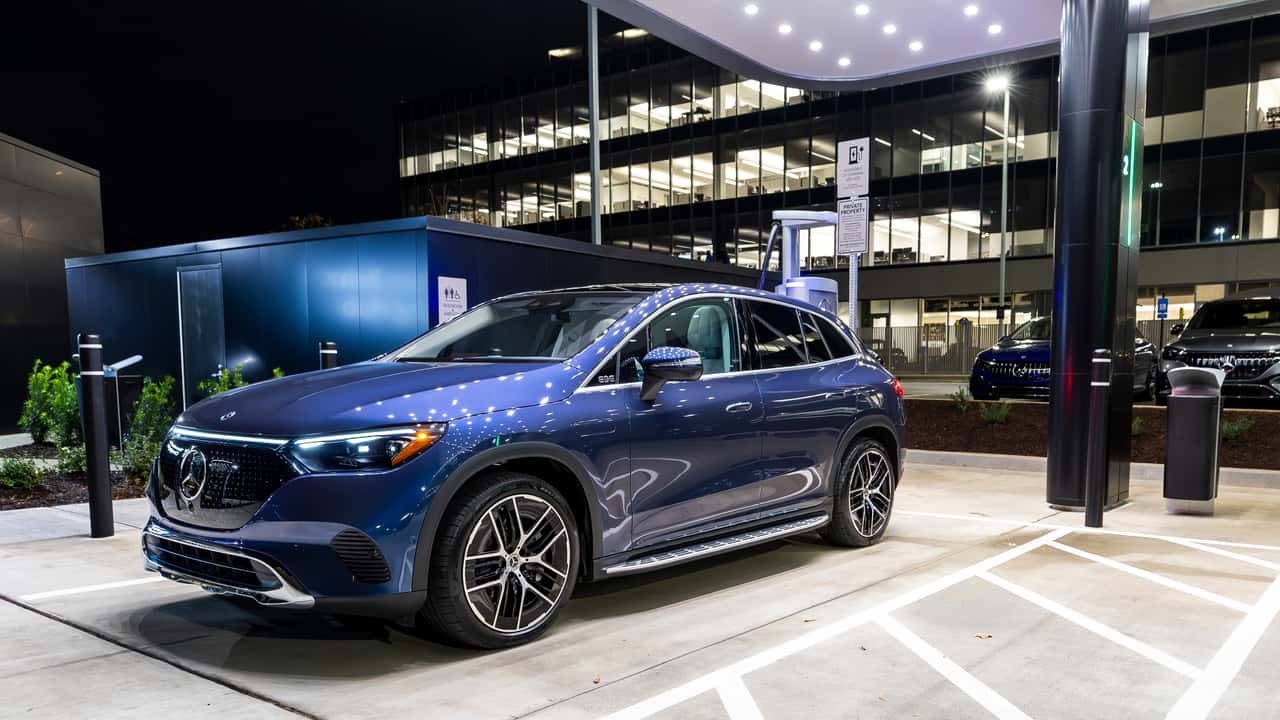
x: 694, y: 158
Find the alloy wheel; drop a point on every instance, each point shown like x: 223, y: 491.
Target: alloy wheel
x: 517, y: 563
x: 870, y: 492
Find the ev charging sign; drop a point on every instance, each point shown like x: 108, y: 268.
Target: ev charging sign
x: 852, y: 160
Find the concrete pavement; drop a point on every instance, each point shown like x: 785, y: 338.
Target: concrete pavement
x: 979, y: 601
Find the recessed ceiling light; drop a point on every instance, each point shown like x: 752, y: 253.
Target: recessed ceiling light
x: 890, y: 29
x: 785, y: 29
x: 970, y: 10
x: 843, y: 62
x: 994, y: 29
x: 916, y: 46
x: 816, y: 45
x: 751, y: 9
x: 861, y: 10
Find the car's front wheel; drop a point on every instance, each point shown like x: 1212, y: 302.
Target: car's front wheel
x: 505, y: 562
x: 863, y: 496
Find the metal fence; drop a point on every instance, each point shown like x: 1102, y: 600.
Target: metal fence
x: 949, y: 350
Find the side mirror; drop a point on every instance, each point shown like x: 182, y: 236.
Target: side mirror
x: 873, y: 354
x: 662, y: 365
x: 1177, y: 328
x: 1004, y: 340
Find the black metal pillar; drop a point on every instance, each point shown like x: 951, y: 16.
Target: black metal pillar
x: 1096, y: 235
x: 94, y: 423
x: 328, y: 354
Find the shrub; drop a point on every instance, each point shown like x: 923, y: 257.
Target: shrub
x: 19, y: 473
x: 152, y: 416
x: 995, y: 413
x: 226, y: 379
x: 72, y: 459
x: 1135, y: 426
x: 51, y: 411
x: 1234, y: 429
x: 960, y: 399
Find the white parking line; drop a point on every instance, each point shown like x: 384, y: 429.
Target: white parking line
x: 712, y: 680
x: 1198, y: 701
x: 1081, y: 529
x: 737, y: 700
x: 1093, y: 626
x: 970, y: 685
x: 1158, y: 579
x: 1227, y: 553
x: 89, y: 588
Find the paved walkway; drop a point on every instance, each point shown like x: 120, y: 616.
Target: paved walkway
x: 979, y: 602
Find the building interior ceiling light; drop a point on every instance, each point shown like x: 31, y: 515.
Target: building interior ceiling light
x: 730, y: 32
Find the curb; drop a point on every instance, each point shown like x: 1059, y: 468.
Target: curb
x: 1139, y: 472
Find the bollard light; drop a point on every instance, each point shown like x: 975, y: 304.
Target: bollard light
x: 328, y: 355
x: 94, y: 422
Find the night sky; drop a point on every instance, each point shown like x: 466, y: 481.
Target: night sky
x: 215, y: 120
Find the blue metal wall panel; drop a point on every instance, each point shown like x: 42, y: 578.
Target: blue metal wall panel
x: 388, y: 291
x: 333, y: 293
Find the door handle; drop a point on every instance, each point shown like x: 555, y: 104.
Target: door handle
x: 737, y: 407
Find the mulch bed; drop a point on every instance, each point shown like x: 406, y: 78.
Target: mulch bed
x: 937, y: 425
x: 31, y: 450
x: 64, y: 490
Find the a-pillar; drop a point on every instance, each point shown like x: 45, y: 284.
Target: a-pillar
x: 1096, y: 234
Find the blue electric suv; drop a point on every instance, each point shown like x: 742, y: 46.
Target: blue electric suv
x: 471, y: 477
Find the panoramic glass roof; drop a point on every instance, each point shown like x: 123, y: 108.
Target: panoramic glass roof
x: 842, y: 41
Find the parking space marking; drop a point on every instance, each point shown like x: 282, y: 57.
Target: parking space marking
x: 1194, y: 545
x: 763, y: 658
x: 1081, y: 529
x: 1199, y: 699
x: 1093, y: 626
x: 89, y: 588
x: 1153, y: 577
x: 737, y: 700
x: 958, y: 676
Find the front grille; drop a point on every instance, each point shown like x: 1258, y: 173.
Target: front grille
x: 361, y: 556
x: 222, y: 484
x: 1246, y: 365
x: 211, y: 565
x: 1028, y: 371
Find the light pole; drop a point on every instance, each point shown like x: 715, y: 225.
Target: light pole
x: 1000, y: 84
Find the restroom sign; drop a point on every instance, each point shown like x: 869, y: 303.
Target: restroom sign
x: 852, y: 175
x: 453, y: 297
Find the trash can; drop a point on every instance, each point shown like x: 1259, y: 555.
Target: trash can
x: 1192, y: 438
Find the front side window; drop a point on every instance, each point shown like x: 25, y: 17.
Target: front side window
x: 778, y: 338
x: 1037, y: 329
x: 547, y: 327
x: 705, y: 325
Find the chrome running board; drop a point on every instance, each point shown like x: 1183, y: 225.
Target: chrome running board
x: 717, y: 546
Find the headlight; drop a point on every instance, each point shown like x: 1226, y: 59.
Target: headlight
x: 1173, y: 352
x: 377, y: 449
x: 981, y: 362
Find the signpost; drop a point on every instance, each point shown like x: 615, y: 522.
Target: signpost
x: 1162, y: 313
x: 853, y: 182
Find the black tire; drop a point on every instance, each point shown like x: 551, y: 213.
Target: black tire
x: 481, y: 517
x: 849, y: 525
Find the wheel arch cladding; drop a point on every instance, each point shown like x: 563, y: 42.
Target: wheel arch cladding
x: 550, y: 463
x: 881, y: 431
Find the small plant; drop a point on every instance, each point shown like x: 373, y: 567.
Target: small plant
x: 72, y: 459
x: 995, y: 413
x: 1135, y: 426
x: 960, y: 399
x: 51, y: 412
x: 19, y: 473
x: 225, y: 379
x: 277, y: 373
x: 1234, y: 429
x: 152, y: 416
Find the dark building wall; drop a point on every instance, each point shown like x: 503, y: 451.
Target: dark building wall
x: 50, y: 210
x: 368, y: 287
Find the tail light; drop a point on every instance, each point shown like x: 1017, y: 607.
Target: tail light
x: 897, y: 387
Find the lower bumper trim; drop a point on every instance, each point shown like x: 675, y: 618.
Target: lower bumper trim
x: 283, y: 595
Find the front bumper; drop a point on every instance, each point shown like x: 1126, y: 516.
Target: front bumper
x: 982, y: 383
x: 219, y: 570
x: 1263, y: 388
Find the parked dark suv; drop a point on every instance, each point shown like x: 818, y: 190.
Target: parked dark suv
x: 1240, y: 334
x: 473, y: 476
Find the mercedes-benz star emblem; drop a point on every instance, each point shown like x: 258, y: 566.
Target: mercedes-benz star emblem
x: 228, y: 416
x: 193, y: 470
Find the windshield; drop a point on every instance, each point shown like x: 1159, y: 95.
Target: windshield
x: 553, y: 326
x: 1037, y: 329
x: 1238, y: 315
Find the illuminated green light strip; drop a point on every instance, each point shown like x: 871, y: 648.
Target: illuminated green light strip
x: 1133, y: 170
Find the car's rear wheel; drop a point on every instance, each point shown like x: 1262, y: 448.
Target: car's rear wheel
x: 504, y: 564
x: 863, y: 496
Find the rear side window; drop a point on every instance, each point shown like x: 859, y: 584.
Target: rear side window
x: 813, y: 340
x: 837, y: 342
x: 778, y: 339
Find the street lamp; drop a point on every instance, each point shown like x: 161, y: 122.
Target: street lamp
x: 1000, y: 84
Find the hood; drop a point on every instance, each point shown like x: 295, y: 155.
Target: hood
x: 374, y: 394
x: 1226, y: 341
x: 1019, y: 350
